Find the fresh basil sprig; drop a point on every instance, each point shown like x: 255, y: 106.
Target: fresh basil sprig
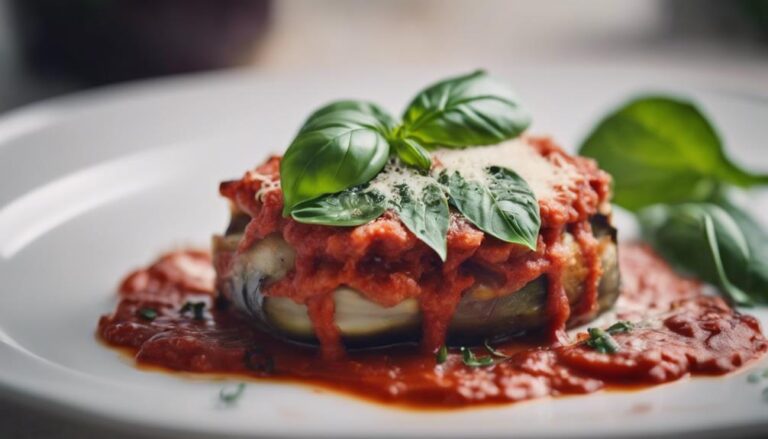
x: 503, y: 205
x: 662, y: 150
x: 346, y: 143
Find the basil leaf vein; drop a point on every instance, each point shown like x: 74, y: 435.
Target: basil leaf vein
x: 351, y: 207
x: 473, y: 109
x: 662, y: 150
x: 426, y: 215
x: 330, y: 158
x: 503, y: 205
x: 362, y: 113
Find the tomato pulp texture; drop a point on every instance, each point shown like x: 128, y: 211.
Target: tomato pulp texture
x: 679, y: 331
x: 388, y: 264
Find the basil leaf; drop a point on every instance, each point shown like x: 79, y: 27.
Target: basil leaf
x: 413, y: 154
x: 330, y: 157
x: 503, y: 205
x: 473, y: 109
x: 756, y: 282
x: 351, y: 207
x: 662, y: 150
x: 426, y: 215
x: 704, y: 240
x: 360, y: 112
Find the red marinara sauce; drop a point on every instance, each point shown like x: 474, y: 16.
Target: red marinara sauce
x: 679, y: 332
x: 387, y: 264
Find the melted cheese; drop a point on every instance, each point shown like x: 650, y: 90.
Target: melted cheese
x: 542, y: 175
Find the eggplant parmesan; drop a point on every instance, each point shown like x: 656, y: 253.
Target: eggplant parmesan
x: 377, y: 284
x: 456, y: 244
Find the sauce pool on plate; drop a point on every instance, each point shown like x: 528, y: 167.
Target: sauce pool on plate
x: 169, y: 316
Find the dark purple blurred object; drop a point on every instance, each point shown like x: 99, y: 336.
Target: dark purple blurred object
x: 101, y: 41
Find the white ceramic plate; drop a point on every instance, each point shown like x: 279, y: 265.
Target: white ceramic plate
x: 94, y: 185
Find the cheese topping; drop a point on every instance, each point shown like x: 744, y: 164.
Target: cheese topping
x: 268, y: 184
x: 396, y: 173
x: 541, y: 174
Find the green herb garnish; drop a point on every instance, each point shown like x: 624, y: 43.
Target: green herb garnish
x: 441, y: 355
x: 197, y: 308
x: 229, y: 395
x: 493, y: 351
x: 147, y: 313
x: 601, y: 341
x: 345, y: 144
x: 620, y: 326
x: 471, y: 360
x: 669, y: 166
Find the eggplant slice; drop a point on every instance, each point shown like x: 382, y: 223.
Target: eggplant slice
x: 482, y: 313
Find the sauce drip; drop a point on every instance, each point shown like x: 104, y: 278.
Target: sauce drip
x: 387, y: 264
x: 679, y: 331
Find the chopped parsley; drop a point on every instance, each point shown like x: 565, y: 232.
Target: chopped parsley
x: 601, y: 340
x: 493, y: 351
x: 197, y: 308
x: 147, y: 313
x: 441, y: 355
x: 471, y: 360
x: 229, y: 395
x: 620, y: 326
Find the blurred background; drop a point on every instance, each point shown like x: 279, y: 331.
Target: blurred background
x: 50, y: 47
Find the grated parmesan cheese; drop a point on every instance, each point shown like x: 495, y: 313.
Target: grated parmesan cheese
x: 268, y: 184
x: 396, y: 173
x: 541, y: 175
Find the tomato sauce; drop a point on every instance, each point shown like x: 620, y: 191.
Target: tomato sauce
x: 171, y: 314
x: 387, y: 264
x: 679, y: 331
